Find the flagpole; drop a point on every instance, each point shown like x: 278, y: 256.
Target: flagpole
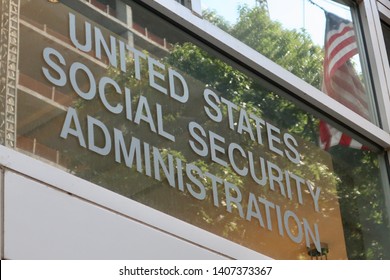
x: 304, y: 14
x: 318, y: 6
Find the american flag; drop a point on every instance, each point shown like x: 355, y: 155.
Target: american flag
x: 340, y: 80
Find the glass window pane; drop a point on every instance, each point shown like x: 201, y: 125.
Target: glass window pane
x: 319, y: 43
x: 148, y: 112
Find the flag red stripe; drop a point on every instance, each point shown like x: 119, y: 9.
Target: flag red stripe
x: 345, y: 140
x: 348, y: 42
x: 340, y: 61
x: 334, y: 34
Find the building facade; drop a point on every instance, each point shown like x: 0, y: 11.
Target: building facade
x: 159, y: 129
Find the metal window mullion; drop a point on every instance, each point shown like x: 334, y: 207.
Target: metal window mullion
x: 1, y: 213
x: 383, y: 10
x: 379, y: 62
x: 2, y: 172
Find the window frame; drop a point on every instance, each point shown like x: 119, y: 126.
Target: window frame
x: 377, y: 55
x: 373, y: 11
x: 251, y: 60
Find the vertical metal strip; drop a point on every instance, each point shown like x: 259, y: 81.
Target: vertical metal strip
x: 2, y: 256
x: 9, y: 52
x: 376, y: 52
x: 381, y: 75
